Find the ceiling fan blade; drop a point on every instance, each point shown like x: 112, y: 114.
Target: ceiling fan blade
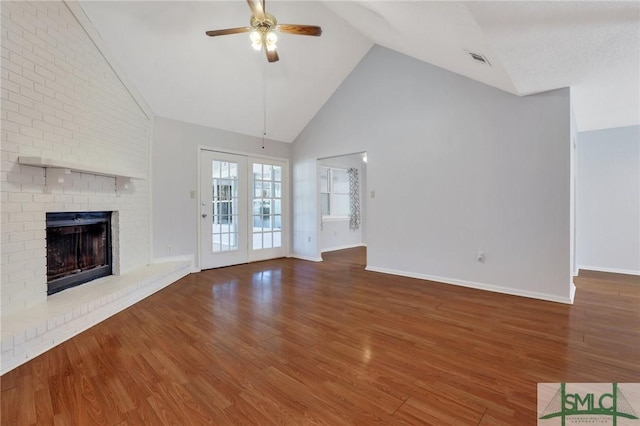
x: 310, y: 30
x: 257, y: 9
x: 272, y: 55
x: 239, y: 30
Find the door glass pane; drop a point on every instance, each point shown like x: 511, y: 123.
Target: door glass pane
x: 266, y: 189
x: 257, y: 206
x: 267, y: 240
x: 225, y: 206
x: 257, y: 188
x: 266, y: 206
x: 257, y: 241
x: 266, y: 172
x: 257, y: 171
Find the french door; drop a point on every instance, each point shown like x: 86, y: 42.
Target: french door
x: 268, y: 201
x: 223, y: 202
x: 242, y: 209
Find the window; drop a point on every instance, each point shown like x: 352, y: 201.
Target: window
x: 334, y: 193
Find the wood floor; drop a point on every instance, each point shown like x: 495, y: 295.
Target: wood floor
x: 295, y: 342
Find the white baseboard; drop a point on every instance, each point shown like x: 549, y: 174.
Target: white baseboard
x: 612, y: 270
x: 348, y: 246
x: 479, y: 286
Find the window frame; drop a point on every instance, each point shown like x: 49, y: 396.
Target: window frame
x: 332, y: 194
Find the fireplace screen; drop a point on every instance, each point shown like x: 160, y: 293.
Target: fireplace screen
x: 78, y: 248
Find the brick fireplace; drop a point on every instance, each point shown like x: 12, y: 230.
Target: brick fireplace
x: 64, y: 104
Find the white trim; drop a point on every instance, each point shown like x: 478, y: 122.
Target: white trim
x: 348, y: 246
x: 335, y: 218
x: 152, y: 123
x: 476, y: 285
x: 308, y: 258
x: 611, y: 270
x: 182, y: 258
x: 88, y: 27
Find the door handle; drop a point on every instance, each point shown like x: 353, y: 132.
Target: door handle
x: 204, y: 215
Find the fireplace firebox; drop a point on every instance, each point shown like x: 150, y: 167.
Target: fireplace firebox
x: 78, y: 248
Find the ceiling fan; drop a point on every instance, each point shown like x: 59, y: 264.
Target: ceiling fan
x: 263, y: 27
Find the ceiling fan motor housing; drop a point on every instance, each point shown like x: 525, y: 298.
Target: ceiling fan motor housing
x: 269, y: 23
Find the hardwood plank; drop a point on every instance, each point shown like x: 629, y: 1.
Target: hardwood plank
x: 292, y: 342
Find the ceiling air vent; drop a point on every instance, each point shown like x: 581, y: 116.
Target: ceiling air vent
x: 479, y: 57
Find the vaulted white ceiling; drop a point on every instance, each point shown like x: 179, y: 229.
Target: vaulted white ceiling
x: 221, y: 82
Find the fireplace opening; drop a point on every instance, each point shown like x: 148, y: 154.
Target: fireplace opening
x: 78, y: 248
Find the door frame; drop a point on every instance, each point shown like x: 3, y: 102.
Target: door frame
x: 286, y: 206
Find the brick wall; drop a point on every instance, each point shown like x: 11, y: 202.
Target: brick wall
x: 61, y: 99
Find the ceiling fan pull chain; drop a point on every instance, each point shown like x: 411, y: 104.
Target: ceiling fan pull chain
x: 264, y: 128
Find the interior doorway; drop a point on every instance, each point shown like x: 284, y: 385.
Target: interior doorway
x: 342, y: 200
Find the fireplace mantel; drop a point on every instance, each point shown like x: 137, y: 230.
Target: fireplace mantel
x: 55, y: 163
x: 56, y: 170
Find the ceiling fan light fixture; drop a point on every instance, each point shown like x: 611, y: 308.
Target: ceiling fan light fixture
x: 262, y: 30
x: 256, y: 39
x: 270, y: 39
x: 255, y: 36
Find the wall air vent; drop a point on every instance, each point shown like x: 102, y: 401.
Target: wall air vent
x: 479, y: 57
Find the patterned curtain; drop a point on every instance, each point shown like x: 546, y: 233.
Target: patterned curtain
x: 354, y: 199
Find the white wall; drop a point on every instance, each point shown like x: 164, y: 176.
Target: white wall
x: 608, y: 205
x: 175, y: 175
x: 62, y: 99
x: 456, y: 167
x: 337, y: 234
